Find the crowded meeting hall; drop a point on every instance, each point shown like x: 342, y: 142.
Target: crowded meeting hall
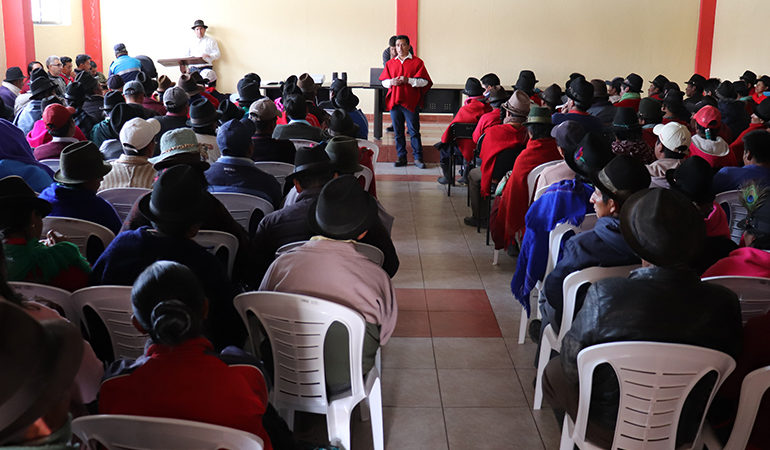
x: 528, y: 234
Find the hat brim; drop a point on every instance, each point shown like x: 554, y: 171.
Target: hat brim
x: 473, y: 94
x: 569, y: 158
x: 310, y: 168
x: 344, y: 231
x: 543, y: 120
x: 196, y: 211
x: 176, y: 157
x: 103, y: 170
x: 203, y: 122
x: 41, y: 206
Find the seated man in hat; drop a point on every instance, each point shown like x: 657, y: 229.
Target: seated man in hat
x: 264, y: 113
x: 734, y: 114
x: 671, y: 148
x: 297, y: 128
x: 203, y: 120
x: 330, y: 268
x: 193, y: 85
x: 568, y: 135
x: 657, y: 87
x: 73, y: 193
x: 628, y: 136
x: 580, y: 94
x: 235, y: 170
x: 175, y: 208
x: 760, y: 120
x: 650, y: 114
x: 58, y: 121
x: 664, y: 301
x: 694, y: 92
x: 345, y: 159
x: 11, y: 86
x: 248, y: 91
x: 210, y: 80
x: 474, y: 107
x: 119, y: 116
x: 75, y: 96
x: 41, y: 88
x: 348, y: 101
x: 601, y: 106
x: 133, y: 92
x: 674, y: 109
x: 176, y: 101
x: 761, y: 89
x: 756, y: 160
x: 92, y: 105
x: 613, y: 88
x: 630, y: 92
x: 102, y: 131
x: 496, y: 96
x: 125, y: 66
x: 133, y: 169
x: 337, y: 85
x: 309, y: 89
x: 202, y: 46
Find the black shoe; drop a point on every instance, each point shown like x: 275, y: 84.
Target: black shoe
x: 389, y: 129
x: 462, y: 181
x: 534, y: 329
x: 419, y: 164
x: 400, y: 163
x: 443, y: 180
x: 474, y: 222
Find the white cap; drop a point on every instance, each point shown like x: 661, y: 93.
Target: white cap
x: 673, y: 135
x: 137, y: 133
x: 209, y: 74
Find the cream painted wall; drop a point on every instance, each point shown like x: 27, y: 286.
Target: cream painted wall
x: 273, y: 39
x: 737, y: 43
x: 610, y: 38
x: 64, y: 40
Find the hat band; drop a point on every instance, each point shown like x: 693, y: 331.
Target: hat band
x: 179, y: 147
x: 607, y: 183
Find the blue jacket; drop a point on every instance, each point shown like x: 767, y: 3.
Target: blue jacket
x: 731, y: 178
x: 31, y: 113
x: 231, y: 174
x: 589, y: 122
x: 359, y: 119
x: 125, y: 66
x: 81, y: 204
x: 34, y: 176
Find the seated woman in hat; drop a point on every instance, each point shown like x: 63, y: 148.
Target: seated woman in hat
x: 170, y: 305
x: 628, y: 136
x: 55, y: 262
x: 16, y: 158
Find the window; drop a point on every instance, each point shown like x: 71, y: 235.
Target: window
x: 51, y: 12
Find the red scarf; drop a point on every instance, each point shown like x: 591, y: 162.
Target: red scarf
x: 471, y: 112
x: 497, y: 139
x: 405, y: 95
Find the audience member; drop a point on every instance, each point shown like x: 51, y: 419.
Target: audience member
x: 657, y: 88
x: 149, y: 102
x: 210, y: 81
x: 734, y: 114
x: 11, y: 87
x: 193, y: 85
x: 496, y: 96
x: 756, y: 160
x: 75, y: 97
x: 334, y: 89
x: 54, y: 66
x: 760, y: 118
x: 264, y: 113
x: 132, y: 168
x: 580, y: 94
x: 488, y: 82
x: 125, y: 66
x: 390, y: 52
x: 102, y: 131
x: 650, y: 114
x: 41, y: 88
x: 630, y: 92
x: 176, y: 102
x: 228, y: 111
x: 298, y: 127
x: 66, y: 70
x: 628, y: 136
x: 601, y: 106
x: 761, y: 88
x: 115, y: 83
x: 568, y: 135
x: 613, y: 89
x: 58, y: 121
x: 133, y: 92
x: 348, y: 101
x: 248, y: 90
x: 92, y: 105
x: 82, y: 63
x: 119, y: 116
x: 341, y: 124
x: 203, y: 120
x: 16, y: 158
x: 674, y: 109
x: 309, y: 89
x: 694, y: 91
x: 706, y: 143
x: 671, y: 147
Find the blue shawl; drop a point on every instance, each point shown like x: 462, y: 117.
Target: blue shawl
x: 13, y: 145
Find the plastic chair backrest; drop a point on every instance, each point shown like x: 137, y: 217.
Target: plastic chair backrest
x: 459, y: 130
x: 158, y: 433
x: 367, y: 174
x: 374, y: 254
x: 655, y: 379
x: 753, y: 293
x: 559, y: 233
x: 112, y: 304
x: 303, y: 143
x: 753, y: 389
x: 296, y: 326
x: 277, y: 169
x: 57, y: 296
x: 53, y: 163
x: 730, y: 202
x: 217, y: 242
x: 371, y: 146
x: 243, y: 207
x: 123, y: 199
x: 91, y: 238
x: 534, y: 174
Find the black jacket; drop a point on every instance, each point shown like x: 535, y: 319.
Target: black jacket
x: 298, y: 130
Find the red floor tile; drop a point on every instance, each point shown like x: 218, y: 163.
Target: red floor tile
x: 411, y: 299
x: 458, y: 300
x: 463, y: 324
x: 412, y: 324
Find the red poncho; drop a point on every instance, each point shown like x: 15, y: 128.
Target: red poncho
x: 744, y: 261
x: 489, y: 119
x: 497, y: 139
x: 736, y: 148
x: 405, y: 95
x: 470, y: 112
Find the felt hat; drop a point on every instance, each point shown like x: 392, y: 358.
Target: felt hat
x: 40, y: 86
x: 600, y: 88
x: 56, y: 116
x: 15, y: 192
x: 338, y: 84
x: 762, y: 110
x: 673, y: 100
x: 749, y: 77
x: 34, y: 374
x: 726, y: 91
x: 671, y: 86
x: 622, y: 176
x: 497, y: 94
x: 189, y: 84
x: 625, y: 119
x: 148, y: 84
x: 137, y: 133
x: 199, y: 23
x: 310, y: 161
x: 164, y: 82
x: 228, y: 111
x: 111, y: 100
x: 81, y: 162
x: 539, y: 114
x: 673, y: 135
x: 202, y: 113
x: 248, y: 91
x: 178, y: 196
x: 616, y: 83
x: 88, y: 81
x: 234, y: 137
x: 345, y: 99
x: 340, y: 124
x: 175, y: 142
x: 662, y: 226
x: 741, y: 88
x: 581, y: 91
x: 697, y: 81
x: 526, y: 81
x: 473, y: 87
x: 650, y: 110
x: 765, y: 79
x: 133, y: 87
x: 13, y: 74
x: 708, y: 117
x: 74, y: 92
x: 306, y: 83
x: 115, y: 83
x: 633, y: 82
x: 518, y: 105
x: 659, y: 81
x: 553, y: 94
x: 343, y: 210
x: 344, y: 154
x: 175, y: 97
x: 122, y: 113
x: 568, y: 135
x: 591, y: 154
x: 264, y: 109
x: 693, y: 179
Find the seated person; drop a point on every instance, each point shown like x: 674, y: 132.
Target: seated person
x: 753, y: 260
x: 348, y: 101
x: 75, y: 97
x: 580, y: 94
x: 707, y: 143
x: 73, y: 194
x: 16, y: 158
x: 664, y: 301
x: 346, y: 155
x: 133, y: 169
x: 175, y: 209
x: 40, y: 135
x: 628, y: 136
x: 298, y: 127
x: 228, y: 110
x: 309, y: 88
x: 119, y: 116
x: 630, y: 92
x: 760, y: 120
x: 41, y: 88
x: 264, y: 113
x: 756, y: 160
x: 58, y: 120
x: 54, y: 261
x: 102, y: 131
x: 176, y: 102
x: 329, y: 267
x: 235, y: 171
x: 650, y: 114
x: 673, y: 141
x: 248, y: 90
x: 170, y: 305
x: 496, y: 96
x: 334, y: 89
x: 568, y: 135
x: 203, y: 120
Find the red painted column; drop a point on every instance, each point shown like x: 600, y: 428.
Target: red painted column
x: 19, y: 33
x: 92, y: 31
x: 406, y: 20
x: 705, y: 41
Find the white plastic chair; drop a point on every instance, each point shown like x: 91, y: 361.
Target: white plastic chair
x: 113, y: 306
x: 58, y: 296
x: 303, y: 143
x: 367, y: 174
x: 371, y: 146
x: 296, y: 326
x: 215, y: 241
x: 753, y: 293
x: 753, y: 389
x: 123, y: 199
x: 736, y: 212
x: 243, y: 206
x: 374, y: 254
x: 81, y: 233
x: 53, y: 163
x: 655, y: 379
x: 158, y: 433
x: 534, y: 174
x: 550, y: 341
x: 277, y: 169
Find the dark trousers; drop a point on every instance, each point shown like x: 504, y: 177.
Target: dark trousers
x: 479, y: 206
x: 399, y: 115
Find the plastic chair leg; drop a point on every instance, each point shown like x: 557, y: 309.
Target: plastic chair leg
x: 542, y: 360
x: 375, y: 407
x: 566, y: 440
x: 495, y: 257
x: 288, y: 417
x: 338, y: 424
x: 523, y: 326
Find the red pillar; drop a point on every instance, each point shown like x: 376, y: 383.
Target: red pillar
x: 92, y: 31
x: 406, y: 20
x: 705, y: 41
x: 19, y: 33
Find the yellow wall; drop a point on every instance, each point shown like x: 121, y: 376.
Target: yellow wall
x: 64, y: 40
x: 2, y: 42
x: 738, y: 31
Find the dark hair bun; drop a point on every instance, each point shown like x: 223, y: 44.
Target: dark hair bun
x: 171, y: 320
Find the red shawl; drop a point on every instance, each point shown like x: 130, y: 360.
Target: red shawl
x: 497, y: 139
x: 744, y: 261
x: 489, y: 119
x: 736, y: 148
x: 405, y: 95
x: 471, y: 112
x: 514, y: 202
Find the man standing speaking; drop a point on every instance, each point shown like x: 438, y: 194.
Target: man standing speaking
x: 202, y: 46
x: 407, y: 81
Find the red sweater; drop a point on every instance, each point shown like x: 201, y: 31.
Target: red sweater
x: 497, y: 139
x: 470, y: 112
x: 629, y: 103
x: 736, y: 148
x: 489, y: 119
x: 405, y: 95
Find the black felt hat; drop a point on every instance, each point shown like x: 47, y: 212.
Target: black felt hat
x: 310, y: 161
x: 659, y: 82
x: 75, y: 92
x: 228, y: 111
x: 473, y: 87
x: 81, y: 162
x: 248, y: 91
x: 622, y: 177
x: 633, y: 82
x: 13, y: 74
x: 650, y: 110
x: 202, y: 113
x: 697, y: 81
x: 111, y: 100
x: 625, y: 119
x: 178, y: 196
x: 340, y: 123
x: 344, y: 154
x: 749, y: 77
x: 199, y: 23
x: 581, y: 91
x: 553, y: 94
x: 88, y: 82
x: 726, y: 91
x: 693, y: 179
x: 762, y: 110
x: 345, y: 99
x: 122, y: 113
x: 498, y: 95
x: 590, y: 156
x: 14, y: 192
x: 40, y: 85
x: 343, y: 210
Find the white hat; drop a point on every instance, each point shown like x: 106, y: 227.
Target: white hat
x: 672, y: 135
x: 209, y: 74
x: 137, y: 133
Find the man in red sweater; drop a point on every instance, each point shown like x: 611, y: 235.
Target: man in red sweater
x: 630, y: 90
x: 407, y: 81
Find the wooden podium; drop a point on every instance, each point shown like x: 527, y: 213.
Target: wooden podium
x: 184, y: 61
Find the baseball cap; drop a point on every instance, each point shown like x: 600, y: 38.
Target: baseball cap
x: 264, y: 109
x: 672, y: 135
x: 137, y: 133
x: 175, y: 96
x: 132, y: 88
x: 708, y: 117
x: 56, y: 115
x: 208, y: 74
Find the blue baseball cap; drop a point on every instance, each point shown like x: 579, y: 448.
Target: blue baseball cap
x: 234, y: 137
